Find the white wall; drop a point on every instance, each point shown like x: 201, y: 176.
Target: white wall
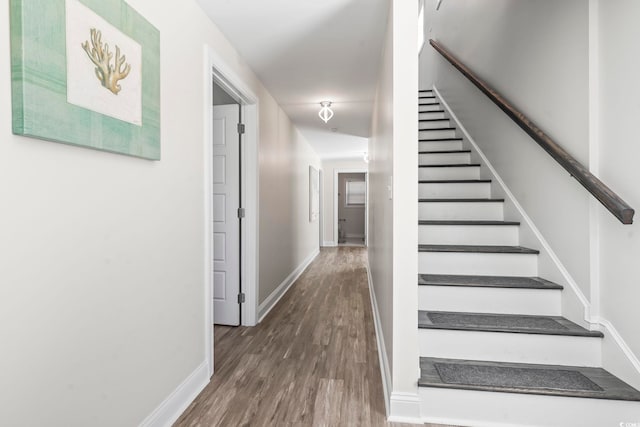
x: 393, y: 207
x: 287, y: 237
x: 618, y: 154
x: 101, y: 255
x: 521, y: 48
x: 329, y: 167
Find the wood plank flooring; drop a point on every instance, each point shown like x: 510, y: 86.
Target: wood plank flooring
x: 312, y: 362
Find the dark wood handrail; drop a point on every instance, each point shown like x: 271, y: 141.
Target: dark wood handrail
x: 610, y: 200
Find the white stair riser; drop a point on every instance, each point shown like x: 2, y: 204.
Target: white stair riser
x: 472, y: 172
x: 437, y: 134
x: 486, y: 409
x: 427, y: 108
x: 478, y: 264
x: 444, y: 159
x: 510, y: 347
x: 434, y: 125
x: 431, y: 115
x: 440, y: 145
x: 454, y: 190
x: 542, y: 302
x: 427, y: 101
x: 491, y: 211
x: 507, y: 235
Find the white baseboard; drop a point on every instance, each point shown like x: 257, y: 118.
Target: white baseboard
x: 355, y: 236
x: 385, y: 371
x: 625, y: 363
x: 175, y: 404
x: 278, y: 293
x: 405, y: 408
x: 329, y: 244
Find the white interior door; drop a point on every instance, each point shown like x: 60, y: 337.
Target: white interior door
x: 226, y: 224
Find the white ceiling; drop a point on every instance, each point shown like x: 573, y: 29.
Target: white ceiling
x: 308, y: 51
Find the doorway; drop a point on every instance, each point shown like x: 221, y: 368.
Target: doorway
x: 246, y: 105
x: 227, y: 218
x: 351, y: 204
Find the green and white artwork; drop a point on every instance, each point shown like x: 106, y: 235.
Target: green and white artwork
x: 87, y: 73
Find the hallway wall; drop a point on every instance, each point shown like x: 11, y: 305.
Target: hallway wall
x: 618, y: 151
x: 393, y: 208
x: 102, y: 255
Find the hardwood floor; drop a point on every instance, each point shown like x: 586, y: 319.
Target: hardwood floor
x: 312, y: 362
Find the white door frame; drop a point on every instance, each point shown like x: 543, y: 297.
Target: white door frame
x: 336, y: 172
x: 227, y: 78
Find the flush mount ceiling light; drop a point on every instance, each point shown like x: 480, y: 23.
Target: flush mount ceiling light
x: 325, y: 112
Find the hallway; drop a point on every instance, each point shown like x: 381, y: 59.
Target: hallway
x: 312, y: 361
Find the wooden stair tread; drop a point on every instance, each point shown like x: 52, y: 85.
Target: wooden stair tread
x: 452, y: 165
x: 512, y: 282
x: 454, y: 181
x: 483, y: 249
x: 507, y: 323
x: 524, y: 378
x: 466, y: 222
x: 438, y: 139
x: 437, y: 129
x: 444, y: 152
x: 461, y: 200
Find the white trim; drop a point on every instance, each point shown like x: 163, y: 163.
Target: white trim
x: 282, y: 289
x: 337, y: 171
x: 175, y: 404
x: 622, y: 344
x: 329, y: 244
x: 554, y: 258
x: 215, y: 66
x: 405, y: 408
x: 385, y: 371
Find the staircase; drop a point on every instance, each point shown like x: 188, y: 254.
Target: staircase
x: 495, y: 350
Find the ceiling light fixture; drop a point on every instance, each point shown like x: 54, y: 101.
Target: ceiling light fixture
x: 325, y: 112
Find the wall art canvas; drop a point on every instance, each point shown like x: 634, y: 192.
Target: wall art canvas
x: 314, y: 194
x: 86, y: 73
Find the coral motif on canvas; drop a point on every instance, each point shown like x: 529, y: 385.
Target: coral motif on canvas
x: 108, y: 75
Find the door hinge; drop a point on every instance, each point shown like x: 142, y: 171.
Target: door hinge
x: 241, y: 298
x: 241, y: 128
x: 241, y: 212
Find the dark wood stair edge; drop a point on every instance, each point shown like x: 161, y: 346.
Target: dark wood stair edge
x: 439, y: 140
x: 478, y: 249
x: 460, y: 200
x: 614, y: 387
x: 454, y: 181
x: 479, y: 281
x: 445, y: 152
x: 453, y: 165
x: 575, y: 331
x: 466, y: 222
x: 436, y: 129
